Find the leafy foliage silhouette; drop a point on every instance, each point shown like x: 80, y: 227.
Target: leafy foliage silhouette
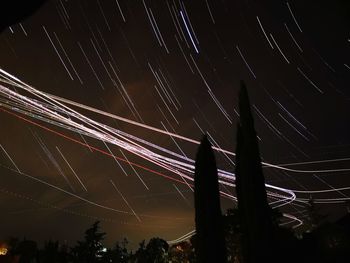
x: 90, y: 249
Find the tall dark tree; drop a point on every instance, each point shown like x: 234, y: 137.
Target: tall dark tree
x: 255, y: 213
x: 210, y: 241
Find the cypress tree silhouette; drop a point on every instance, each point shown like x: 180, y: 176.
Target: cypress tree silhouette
x: 210, y: 241
x: 254, y: 211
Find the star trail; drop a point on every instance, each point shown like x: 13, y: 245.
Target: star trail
x: 103, y: 104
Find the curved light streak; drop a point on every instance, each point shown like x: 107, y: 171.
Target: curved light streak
x: 54, y: 110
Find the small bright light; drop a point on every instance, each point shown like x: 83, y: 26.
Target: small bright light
x: 3, y: 251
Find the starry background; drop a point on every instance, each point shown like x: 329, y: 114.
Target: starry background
x: 180, y: 63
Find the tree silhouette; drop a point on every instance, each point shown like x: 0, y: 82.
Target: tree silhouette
x: 314, y: 217
x: 182, y: 252
x: 90, y: 249
x: 210, y: 241
x: 155, y: 251
x: 13, y: 243
x: 28, y: 251
x: 255, y: 213
x: 119, y: 253
x: 140, y: 253
x: 53, y: 252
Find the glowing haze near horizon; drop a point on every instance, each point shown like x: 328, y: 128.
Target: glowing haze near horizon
x: 103, y: 103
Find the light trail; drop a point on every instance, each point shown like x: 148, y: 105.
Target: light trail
x: 70, y: 167
x: 120, y: 11
x: 69, y: 60
x: 159, y: 33
x: 222, y: 174
x: 309, y: 80
x: 245, y: 62
x: 24, y: 31
x: 152, y: 23
x: 295, y: 20
x: 182, y: 4
x: 295, y: 129
x: 188, y: 32
x: 279, y: 49
x: 182, y: 195
x: 137, y: 37
x: 54, y: 99
x: 103, y: 15
x: 88, y: 146
x: 75, y: 213
x: 263, y: 30
x: 294, y: 40
x: 127, y: 203
x: 216, y: 101
x: 58, y: 54
x: 210, y: 13
x: 175, y: 15
x: 55, y: 111
x: 91, y: 67
x: 8, y: 156
x: 182, y: 238
x: 190, y: 234
x: 132, y: 167
x: 85, y: 200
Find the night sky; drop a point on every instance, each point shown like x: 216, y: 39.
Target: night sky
x: 175, y: 66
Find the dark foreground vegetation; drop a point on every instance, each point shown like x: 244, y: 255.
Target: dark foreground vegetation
x: 88, y: 250
x: 253, y: 231
x: 327, y: 243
